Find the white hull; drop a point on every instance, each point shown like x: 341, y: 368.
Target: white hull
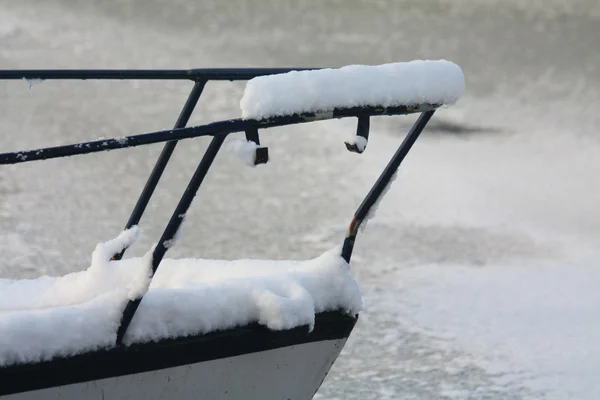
x: 293, y: 372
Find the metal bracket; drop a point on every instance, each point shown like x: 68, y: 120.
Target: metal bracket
x: 362, y: 131
x: 261, y: 155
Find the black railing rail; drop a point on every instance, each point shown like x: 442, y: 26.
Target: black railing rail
x: 218, y: 131
x: 196, y: 74
x: 212, y: 129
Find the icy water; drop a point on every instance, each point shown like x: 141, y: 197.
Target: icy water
x: 481, y: 270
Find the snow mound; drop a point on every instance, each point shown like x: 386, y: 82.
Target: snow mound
x: 61, y: 316
x: 395, y: 84
x: 100, y: 278
x: 191, y: 296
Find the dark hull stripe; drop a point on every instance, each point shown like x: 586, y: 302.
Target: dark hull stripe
x: 152, y: 356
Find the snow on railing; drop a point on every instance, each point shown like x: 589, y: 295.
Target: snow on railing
x: 388, y: 85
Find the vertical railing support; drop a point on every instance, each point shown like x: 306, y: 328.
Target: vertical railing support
x: 384, y: 179
x: 174, y: 225
x: 163, y: 159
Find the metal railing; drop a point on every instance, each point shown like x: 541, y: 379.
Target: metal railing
x: 218, y: 131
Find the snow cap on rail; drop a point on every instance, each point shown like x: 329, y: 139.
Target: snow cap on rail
x: 438, y: 82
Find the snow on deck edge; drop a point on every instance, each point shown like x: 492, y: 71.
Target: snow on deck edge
x: 80, y: 312
x: 387, y: 85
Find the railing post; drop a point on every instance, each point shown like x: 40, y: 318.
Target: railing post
x: 383, y: 180
x: 174, y: 225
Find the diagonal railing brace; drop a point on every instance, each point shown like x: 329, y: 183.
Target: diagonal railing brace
x: 384, y: 179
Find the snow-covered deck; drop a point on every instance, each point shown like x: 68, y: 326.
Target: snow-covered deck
x: 60, y: 316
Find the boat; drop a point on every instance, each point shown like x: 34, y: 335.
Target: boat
x: 156, y: 328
